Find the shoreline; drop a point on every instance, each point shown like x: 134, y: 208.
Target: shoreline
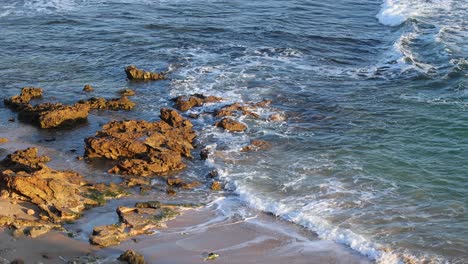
x: 188, y: 239
x: 261, y: 238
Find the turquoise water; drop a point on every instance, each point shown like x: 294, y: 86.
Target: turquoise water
x: 373, y: 151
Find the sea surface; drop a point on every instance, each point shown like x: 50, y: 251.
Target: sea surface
x: 373, y: 152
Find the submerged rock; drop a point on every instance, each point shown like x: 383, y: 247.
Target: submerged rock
x: 256, y: 145
x: 48, y: 115
x: 127, y: 92
x: 20, y: 101
x: 133, y: 73
x: 143, y: 218
x: 184, y: 103
x: 144, y: 148
x: 231, y: 125
x: 132, y: 257
x: 88, y: 88
x: 3, y: 140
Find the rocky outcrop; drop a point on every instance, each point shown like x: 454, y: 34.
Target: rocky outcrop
x: 60, y: 195
x: 49, y: 115
x: 143, y: 218
x: 122, y: 103
x: 231, y: 125
x: 133, y: 73
x: 132, y: 257
x: 26, y: 160
x: 20, y: 101
x: 144, y: 148
x: 184, y: 103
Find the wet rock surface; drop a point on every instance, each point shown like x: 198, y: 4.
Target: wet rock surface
x: 20, y: 101
x: 256, y: 145
x: 143, y: 218
x: 132, y: 257
x: 60, y: 196
x: 144, y: 148
x: 49, y: 115
x: 133, y: 73
x: 122, y: 103
x: 231, y: 125
x: 184, y: 103
x: 127, y: 92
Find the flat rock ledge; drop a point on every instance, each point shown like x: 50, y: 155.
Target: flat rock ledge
x: 143, y: 218
x: 60, y: 196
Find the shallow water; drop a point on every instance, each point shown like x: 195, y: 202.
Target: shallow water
x: 373, y: 151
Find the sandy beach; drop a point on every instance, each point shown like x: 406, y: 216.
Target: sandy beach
x: 188, y: 239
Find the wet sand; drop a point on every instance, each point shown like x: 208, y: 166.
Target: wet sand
x: 188, y: 239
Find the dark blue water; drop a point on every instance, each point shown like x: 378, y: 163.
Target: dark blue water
x: 374, y: 149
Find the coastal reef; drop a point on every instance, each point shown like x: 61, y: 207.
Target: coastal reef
x: 144, y: 148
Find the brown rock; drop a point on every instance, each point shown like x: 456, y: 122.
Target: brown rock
x: 109, y: 235
x: 216, y: 186
x: 49, y: 115
x: 183, y: 103
x: 20, y: 101
x: 127, y: 92
x: 232, y: 109
x: 25, y: 160
x: 231, y: 125
x: 170, y: 192
x: 138, y: 220
x: 30, y: 212
x: 122, y: 103
x: 132, y: 257
x: 3, y: 140
x: 144, y: 148
x: 88, y: 88
x: 61, y: 195
x: 133, y: 73
x: 256, y: 145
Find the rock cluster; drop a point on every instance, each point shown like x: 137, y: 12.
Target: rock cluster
x: 144, y: 148
x: 133, y: 73
x: 143, y: 218
x: 60, y: 195
x: 122, y: 103
x: 54, y: 115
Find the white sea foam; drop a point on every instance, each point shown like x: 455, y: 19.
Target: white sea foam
x: 396, y: 12
x: 317, y: 224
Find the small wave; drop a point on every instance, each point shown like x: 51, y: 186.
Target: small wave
x: 317, y: 224
x: 396, y: 12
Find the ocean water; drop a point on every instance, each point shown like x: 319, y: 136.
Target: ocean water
x: 373, y: 152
